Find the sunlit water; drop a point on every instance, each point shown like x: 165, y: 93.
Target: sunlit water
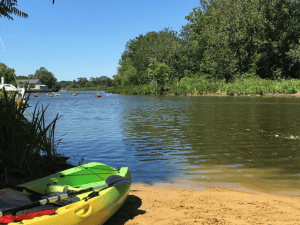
x: 252, y: 142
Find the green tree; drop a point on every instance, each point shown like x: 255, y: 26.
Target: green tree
x: 138, y: 52
x: 240, y: 36
x: 46, y: 77
x: 73, y: 84
x: 64, y: 84
x: 159, y: 73
x: 103, y: 80
x: 226, y: 32
x: 22, y: 77
x: 82, y: 81
x: 7, y: 7
x: 127, y: 74
x: 191, y: 53
x: 7, y: 73
x: 279, y: 39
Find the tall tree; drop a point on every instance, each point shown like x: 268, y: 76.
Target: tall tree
x: 240, y: 36
x: 103, y: 80
x: 279, y: 39
x: 226, y: 33
x: 7, y: 73
x: 82, y: 81
x: 138, y: 52
x: 45, y: 76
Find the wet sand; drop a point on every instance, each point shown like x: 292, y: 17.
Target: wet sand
x: 171, y: 204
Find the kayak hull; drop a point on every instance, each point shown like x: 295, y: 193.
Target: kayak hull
x: 95, y: 210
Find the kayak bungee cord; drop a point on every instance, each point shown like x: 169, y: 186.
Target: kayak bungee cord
x: 93, y: 173
x: 111, y: 181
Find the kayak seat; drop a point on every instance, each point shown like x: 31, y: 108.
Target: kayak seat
x: 11, y: 199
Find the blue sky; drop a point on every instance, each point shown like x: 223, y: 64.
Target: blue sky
x: 78, y: 38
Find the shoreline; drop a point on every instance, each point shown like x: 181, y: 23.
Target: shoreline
x: 222, y: 94
x: 168, y: 204
x: 244, y: 95
x: 205, y: 186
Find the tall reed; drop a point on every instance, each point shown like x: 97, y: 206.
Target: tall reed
x: 27, y: 145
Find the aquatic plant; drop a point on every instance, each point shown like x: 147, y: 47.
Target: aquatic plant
x: 27, y: 145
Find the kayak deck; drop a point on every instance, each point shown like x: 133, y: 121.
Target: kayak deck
x: 86, y: 210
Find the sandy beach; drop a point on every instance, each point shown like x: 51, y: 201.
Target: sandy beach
x: 168, y: 204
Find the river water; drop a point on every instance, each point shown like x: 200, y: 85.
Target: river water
x: 249, y: 142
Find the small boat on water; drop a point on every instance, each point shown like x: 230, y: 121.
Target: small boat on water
x: 98, y: 95
x: 50, y: 95
x: 86, y: 194
x: 11, y: 88
x: 35, y: 95
x: 74, y: 94
x: 8, y: 87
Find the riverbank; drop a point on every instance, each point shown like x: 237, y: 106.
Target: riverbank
x: 203, y: 85
x: 237, y: 95
x: 167, y: 204
x: 222, y: 94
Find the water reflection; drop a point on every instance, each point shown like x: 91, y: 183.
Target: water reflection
x: 254, y: 141
x: 251, y: 141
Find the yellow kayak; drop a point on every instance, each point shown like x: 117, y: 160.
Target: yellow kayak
x: 89, y: 194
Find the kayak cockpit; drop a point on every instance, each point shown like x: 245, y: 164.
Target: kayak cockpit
x: 87, y: 194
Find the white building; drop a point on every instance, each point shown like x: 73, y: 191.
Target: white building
x: 34, y: 84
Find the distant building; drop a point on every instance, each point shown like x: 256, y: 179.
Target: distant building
x: 33, y: 84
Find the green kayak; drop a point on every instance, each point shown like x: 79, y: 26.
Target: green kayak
x: 89, y: 194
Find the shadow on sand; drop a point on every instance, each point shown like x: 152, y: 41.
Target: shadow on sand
x: 128, y: 211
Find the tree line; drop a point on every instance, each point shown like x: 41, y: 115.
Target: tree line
x: 49, y: 79
x: 224, y: 40
x: 45, y: 76
x: 93, y: 82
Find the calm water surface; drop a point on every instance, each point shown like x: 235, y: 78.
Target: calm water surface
x: 249, y: 142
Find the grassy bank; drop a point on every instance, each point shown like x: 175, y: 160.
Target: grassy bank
x: 241, y: 86
x: 27, y: 144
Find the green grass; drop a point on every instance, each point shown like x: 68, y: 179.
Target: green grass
x: 241, y: 86
x: 133, y: 89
